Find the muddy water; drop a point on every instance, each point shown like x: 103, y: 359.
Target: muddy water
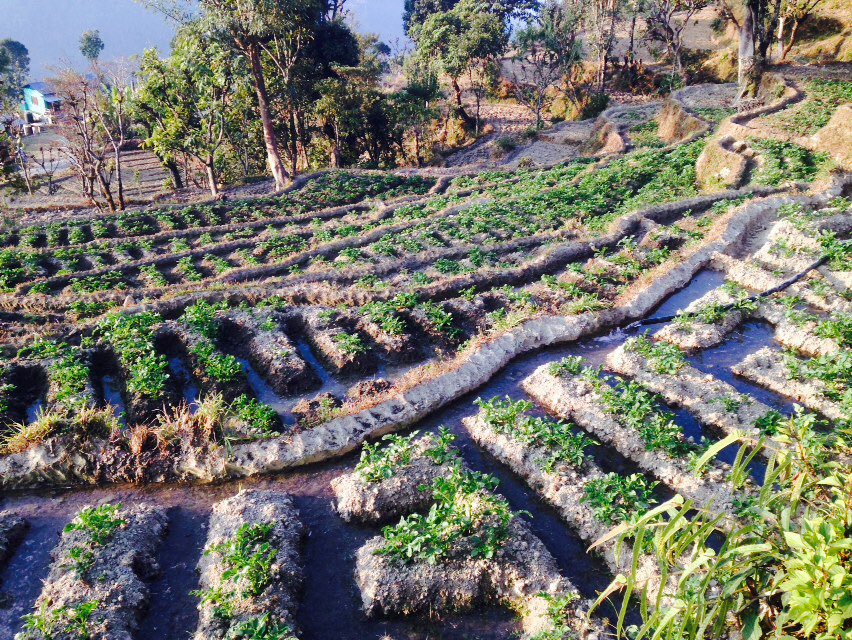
x: 330, y: 605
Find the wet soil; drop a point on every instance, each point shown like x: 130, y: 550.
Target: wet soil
x: 330, y: 603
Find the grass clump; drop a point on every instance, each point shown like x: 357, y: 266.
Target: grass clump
x: 782, y: 570
x: 467, y: 519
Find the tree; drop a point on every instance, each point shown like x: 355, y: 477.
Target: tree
x: 757, y: 21
x: 111, y: 109
x: 547, y: 50
x: 416, y: 104
x: 278, y: 28
x: 795, y: 12
x: 14, y: 69
x: 601, y: 20
x: 184, y: 100
x: 416, y: 12
x: 465, y: 40
x: 91, y: 45
x: 86, y: 144
x: 666, y: 20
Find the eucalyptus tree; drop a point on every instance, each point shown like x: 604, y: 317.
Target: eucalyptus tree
x: 281, y: 30
x: 91, y: 45
x: 14, y: 69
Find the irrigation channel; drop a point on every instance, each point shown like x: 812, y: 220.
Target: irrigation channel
x: 330, y: 603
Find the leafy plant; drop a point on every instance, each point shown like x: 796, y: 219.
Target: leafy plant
x: 466, y: 518
x: 562, y: 444
x: 614, y: 498
x: 664, y: 358
x: 380, y: 461
x: 784, y: 571
x: 350, y: 344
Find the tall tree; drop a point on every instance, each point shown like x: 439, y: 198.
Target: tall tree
x: 601, y: 20
x: 86, y: 146
x: 757, y: 21
x: 278, y: 28
x: 184, y: 100
x: 666, y: 21
x: 14, y: 69
x: 464, y: 41
x: 91, y: 45
x: 547, y: 51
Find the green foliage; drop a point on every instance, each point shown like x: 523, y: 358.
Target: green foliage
x: 834, y: 371
x: 260, y: 418
x: 783, y: 571
x: 568, y: 366
x: 69, y: 374
x: 112, y: 280
x: 263, y: 627
x: 635, y: 407
x: 614, y: 498
x: 562, y: 443
x: 91, y: 45
x: 186, y: 267
x: 247, y: 561
x: 823, y: 98
x: 561, y: 615
x: 838, y: 328
x: 350, y: 344
x: 201, y: 317
x: 380, y: 461
x: 218, y: 366
x: 49, y: 622
x: 646, y: 135
x: 466, y: 518
x: 132, y: 338
x: 663, y: 357
x: 98, y: 524
x: 785, y: 162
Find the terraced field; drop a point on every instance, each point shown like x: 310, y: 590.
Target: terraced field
x: 210, y: 411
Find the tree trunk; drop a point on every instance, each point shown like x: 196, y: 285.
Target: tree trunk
x: 273, y: 155
x: 793, y: 33
x: 750, y: 67
x: 460, y: 110
x: 211, y: 177
x: 117, y: 153
x: 174, y: 170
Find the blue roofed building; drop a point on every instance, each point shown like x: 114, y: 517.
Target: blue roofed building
x: 41, y: 103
